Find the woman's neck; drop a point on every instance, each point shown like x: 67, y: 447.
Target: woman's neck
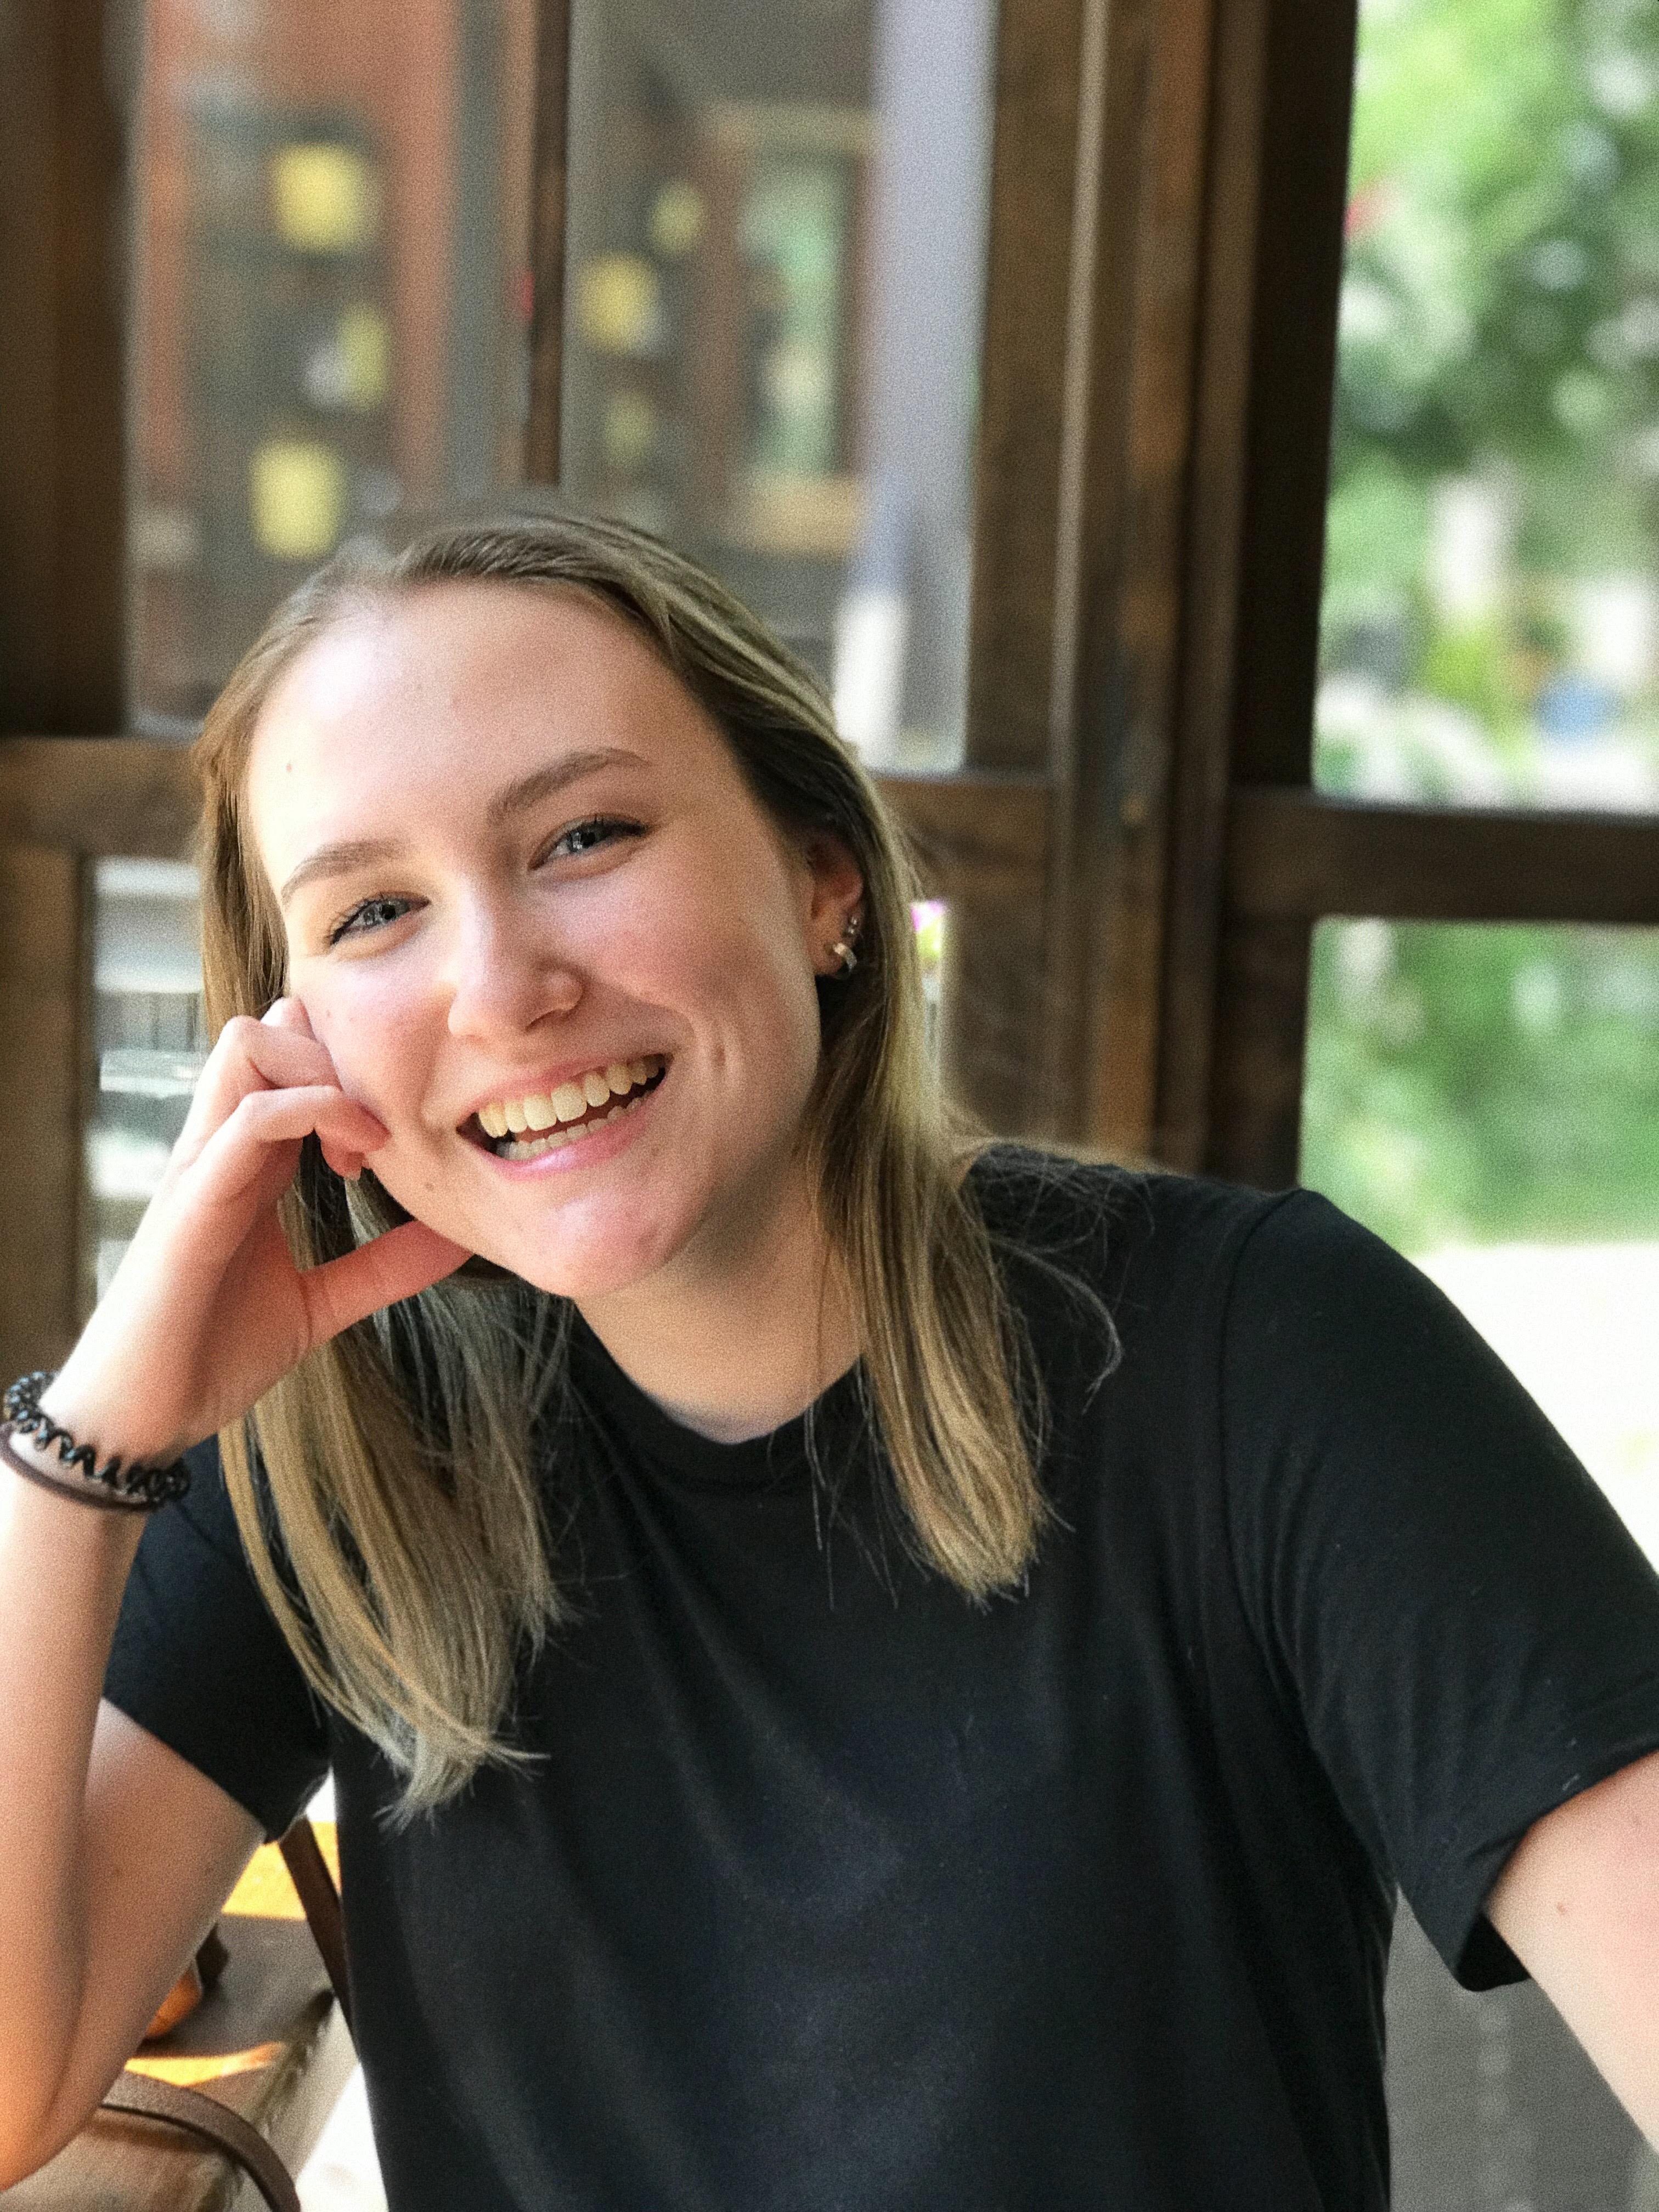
x: 736, y: 1341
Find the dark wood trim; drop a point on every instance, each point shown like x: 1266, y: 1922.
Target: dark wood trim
x: 1295, y: 855
x: 1247, y: 1125
x: 1023, y: 383
x: 547, y: 242
x: 97, y: 797
x: 983, y: 836
x: 1150, y: 191
x: 997, y: 998
x: 63, y: 273
x: 42, y: 964
x: 1306, y: 115
x: 1261, y: 1016
x: 1212, y: 584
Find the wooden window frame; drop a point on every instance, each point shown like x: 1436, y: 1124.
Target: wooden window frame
x: 1134, y: 850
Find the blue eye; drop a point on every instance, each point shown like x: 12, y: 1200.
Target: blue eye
x: 583, y: 837
x: 373, y: 914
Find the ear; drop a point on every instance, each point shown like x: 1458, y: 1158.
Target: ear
x: 833, y: 892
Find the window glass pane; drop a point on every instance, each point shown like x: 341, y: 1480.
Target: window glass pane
x: 1487, y: 1098
x: 1491, y: 629
x: 148, y: 1046
x: 777, y: 218
x: 331, y: 222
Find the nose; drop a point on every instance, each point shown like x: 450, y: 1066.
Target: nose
x: 506, y: 977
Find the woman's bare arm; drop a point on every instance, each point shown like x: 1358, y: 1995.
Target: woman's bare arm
x: 116, y: 1854
x: 1578, y: 1904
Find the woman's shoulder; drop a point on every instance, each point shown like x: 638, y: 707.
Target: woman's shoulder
x: 1102, y: 1217
x: 1179, y: 1267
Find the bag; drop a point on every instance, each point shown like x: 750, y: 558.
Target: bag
x: 206, y: 2116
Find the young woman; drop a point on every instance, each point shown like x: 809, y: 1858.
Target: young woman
x: 860, y: 1670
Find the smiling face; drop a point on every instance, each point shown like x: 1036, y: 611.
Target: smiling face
x: 525, y: 887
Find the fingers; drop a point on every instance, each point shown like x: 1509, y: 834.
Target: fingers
x: 237, y: 1157
x: 407, y: 1258
x: 289, y: 1014
x: 279, y: 1052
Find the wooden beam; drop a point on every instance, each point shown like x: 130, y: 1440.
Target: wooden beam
x: 97, y: 797
x: 1261, y: 1006
x: 62, y: 270
x: 974, y: 836
x: 1296, y: 854
x: 1212, y: 582
x: 1023, y: 383
x: 1253, y: 989
x: 547, y: 243
x: 998, y: 1001
x: 42, y: 974
x: 1307, y: 103
x: 1150, y: 189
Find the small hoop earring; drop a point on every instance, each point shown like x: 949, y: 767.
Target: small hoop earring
x: 842, y: 948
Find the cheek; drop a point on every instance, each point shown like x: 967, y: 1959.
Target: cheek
x: 759, y: 990
x: 380, y: 1043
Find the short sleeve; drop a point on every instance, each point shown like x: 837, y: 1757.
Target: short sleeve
x: 1470, y: 1634
x: 198, y: 1661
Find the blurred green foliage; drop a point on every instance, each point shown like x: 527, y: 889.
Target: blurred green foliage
x: 1501, y: 298
x: 1500, y: 310
x: 1472, y: 1083
x: 1500, y: 318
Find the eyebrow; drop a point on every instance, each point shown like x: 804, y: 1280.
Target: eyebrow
x: 515, y: 797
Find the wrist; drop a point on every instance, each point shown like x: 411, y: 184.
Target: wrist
x: 109, y: 1418
x: 42, y: 1446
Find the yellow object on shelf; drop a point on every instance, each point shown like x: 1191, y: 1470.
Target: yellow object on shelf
x: 678, y: 215
x: 619, y: 304
x: 325, y: 198
x: 363, y: 341
x: 296, y: 498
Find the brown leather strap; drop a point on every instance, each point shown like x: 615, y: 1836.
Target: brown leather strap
x: 216, y: 2124
x: 307, y: 1868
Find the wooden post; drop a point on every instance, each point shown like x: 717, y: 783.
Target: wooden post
x: 62, y: 262
x: 42, y: 962
x: 547, y: 242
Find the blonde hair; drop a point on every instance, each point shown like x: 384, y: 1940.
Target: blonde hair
x: 386, y: 1489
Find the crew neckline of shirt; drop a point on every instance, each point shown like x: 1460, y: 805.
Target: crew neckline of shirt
x: 833, y: 1421
x: 838, y: 1420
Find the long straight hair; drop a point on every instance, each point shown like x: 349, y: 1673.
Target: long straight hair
x: 386, y: 1489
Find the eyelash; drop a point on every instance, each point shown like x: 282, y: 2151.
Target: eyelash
x: 610, y: 825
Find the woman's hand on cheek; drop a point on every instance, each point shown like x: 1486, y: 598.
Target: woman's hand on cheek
x: 206, y: 1310
x: 405, y: 1260
x: 346, y: 1160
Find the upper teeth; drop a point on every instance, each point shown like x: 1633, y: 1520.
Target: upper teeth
x: 512, y: 1116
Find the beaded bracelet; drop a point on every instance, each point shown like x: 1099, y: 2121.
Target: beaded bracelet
x: 133, y: 1488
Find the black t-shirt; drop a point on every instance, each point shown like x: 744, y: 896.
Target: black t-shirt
x: 829, y: 1892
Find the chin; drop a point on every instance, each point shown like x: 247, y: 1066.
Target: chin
x: 598, y: 1249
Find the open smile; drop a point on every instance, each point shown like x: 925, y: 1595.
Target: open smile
x: 525, y: 1128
